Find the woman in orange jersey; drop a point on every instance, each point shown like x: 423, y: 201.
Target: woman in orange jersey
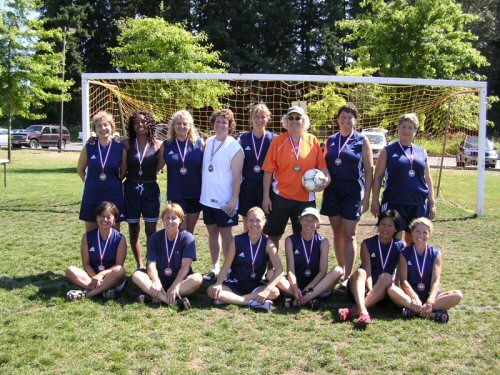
x: 291, y: 154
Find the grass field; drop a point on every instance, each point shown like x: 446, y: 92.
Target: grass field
x: 41, y: 333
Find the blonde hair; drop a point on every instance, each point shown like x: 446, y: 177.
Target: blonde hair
x: 260, y: 108
x: 100, y: 116
x: 410, y: 117
x: 257, y: 211
x: 175, y: 208
x: 192, y: 135
x: 422, y: 220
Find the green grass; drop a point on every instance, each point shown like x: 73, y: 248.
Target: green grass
x: 40, y: 333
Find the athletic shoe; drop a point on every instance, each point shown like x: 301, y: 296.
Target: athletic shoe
x: 363, y: 320
x: 288, y: 303
x: 267, y: 305
x: 344, y: 314
x: 184, y: 303
x: 218, y: 302
x: 408, y: 313
x: 74, y: 295
x: 440, y: 316
x: 211, y: 276
x: 109, y: 294
x: 144, y: 298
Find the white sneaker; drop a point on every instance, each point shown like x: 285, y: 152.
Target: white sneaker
x: 267, y: 305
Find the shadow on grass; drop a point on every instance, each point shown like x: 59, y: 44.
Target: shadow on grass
x: 71, y: 170
x: 49, y: 284
x: 453, y: 219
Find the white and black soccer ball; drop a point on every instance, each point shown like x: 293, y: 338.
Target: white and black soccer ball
x: 312, y: 179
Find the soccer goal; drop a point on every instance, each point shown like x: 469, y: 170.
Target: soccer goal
x: 449, y: 111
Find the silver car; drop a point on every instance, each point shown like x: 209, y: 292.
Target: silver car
x: 469, y: 150
x: 378, y: 140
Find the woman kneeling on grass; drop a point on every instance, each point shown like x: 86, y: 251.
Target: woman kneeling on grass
x: 171, y: 251
x: 379, y: 259
x: 307, y: 264
x: 103, y: 255
x: 240, y: 279
x: 420, y: 266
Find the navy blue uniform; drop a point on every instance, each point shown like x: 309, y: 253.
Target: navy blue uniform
x: 300, y: 260
x: 376, y: 264
x: 251, y: 190
x: 184, y: 189
x: 185, y: 247
x: 240, y: 280
x: 346, y: 191
x: 408, y: 195
x: 142, y: 193
x: 109, y: 259
x: 413, y: 275
x: 95, y: 190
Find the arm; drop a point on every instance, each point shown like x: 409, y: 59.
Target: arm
x: 156, y: 288
x: 173, y: 291
x: 326, y: 181
x: 367, y: 265
x: 430, y: 184
x: 121, y: 253
x: 272, y: 252
x: 377, y: 181
x: 236, y: 169
x: 123, y: 167
x: 323, y: 264
x: 368, y: 171
x: 161, y: 159
x: 96, y: 279
x: 266, y: 189
x: 435, y: 285
x: 214, y: 290
x: 416, y: 304
x: 82, y: 163
x: 290, y: 267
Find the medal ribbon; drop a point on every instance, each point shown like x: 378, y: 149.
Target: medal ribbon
x: 412, y: 155
x: 296, y: 150
x: 254, y: 256
x: 182, y: 154
x: 103, y: 164
x: 139, y: 156
x: 257, y: 155
x: 308, y: 256
x: 102, y: 252
x: 345, y: 143
x: 421, y: 270
x: 169, y: 255
x: 382, y: 261
x: 212, y: 154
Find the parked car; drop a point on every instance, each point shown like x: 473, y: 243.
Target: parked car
x: 40, y: 135
x: 378, y: 140
x: 3, y: 137
x: 469, y: 150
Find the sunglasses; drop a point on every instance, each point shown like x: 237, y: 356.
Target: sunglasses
x: 294, y: 118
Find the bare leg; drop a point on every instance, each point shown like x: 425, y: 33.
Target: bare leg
x: 214, y: 244
x: 408, y: 239
x: 447, y: 300
x: 326, y: 284
x: 349, y: 242
x: 379, y: 290
x: 338, y: 240
x: 134, y: 229
x: 399, y: 297
x: 227, y: 296
x: 150, y: 229
x: 90, y: 225
x: 358, y: 289
x: 82, y: 279
x: 226, y: 234
x: 189, y: 222
x: 188, y: 286
x: 78, y: 277
x: 276, y: 241
x: 244, y: 219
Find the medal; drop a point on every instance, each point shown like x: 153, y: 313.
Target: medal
x: 256, y: 169
x: 212, y: 154
x: 139, y: 156
x: 183, y: 169
x: 411, y: 158
x: 383, y: 262
x: 103, y: 176
x: 338, y: 160
x: 254, y: 255
x: 170, y: 253
x: 307, y: 272
x: 102, y: 251
x: 420, y: 269
x: 296, y: 152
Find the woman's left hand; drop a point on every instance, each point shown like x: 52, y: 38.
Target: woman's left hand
x: 172, y: 294
x: 426, y: 310
x: 230, y: 208
x: 432, y: 212
x: 96, y: 281
x: 262, y: 295
x: 324, y: 183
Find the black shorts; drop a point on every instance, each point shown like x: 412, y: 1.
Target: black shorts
x: 250, y: 195
x: 217, y: 216
x: 407, y: 212
x: 190, y: 206
x: 284, y: 209
x: 242, y: 288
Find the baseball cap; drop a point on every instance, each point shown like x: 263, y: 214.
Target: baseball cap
x: 296, y: 109
x: 310, y: 211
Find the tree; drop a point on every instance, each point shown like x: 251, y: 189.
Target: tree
x: 30, y: 69
x: 423, y: 39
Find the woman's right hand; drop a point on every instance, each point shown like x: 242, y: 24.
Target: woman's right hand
x: 416, y: 304
x: 96, y: 281
x: 267, y: 206
x: 155, y: 290
x: 214, y: 291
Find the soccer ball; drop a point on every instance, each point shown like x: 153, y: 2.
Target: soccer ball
x: 312, y: 179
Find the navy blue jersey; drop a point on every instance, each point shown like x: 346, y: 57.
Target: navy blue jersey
x: 250, y: 152
x: 377, y: 268
x: 299, y: 256
x: 185, y: 247
x: 400, y: 187
x: 187, y: 186
x: 148, y: 167
x: 351, y: 168
x: 95, y: 190
x: 241, y: 268
x: 109, y: 258
x: 413, y: 272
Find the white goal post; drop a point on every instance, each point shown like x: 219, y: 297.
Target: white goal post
x: 89, y: 79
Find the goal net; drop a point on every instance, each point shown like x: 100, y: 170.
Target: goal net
x: 449, y: 111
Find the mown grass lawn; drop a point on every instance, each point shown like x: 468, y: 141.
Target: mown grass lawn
x: 41, y: 333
